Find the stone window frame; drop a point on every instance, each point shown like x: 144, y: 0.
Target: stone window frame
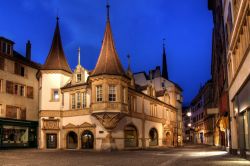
x: 73, y: 101
x: 112, y: 95
x: 99, y: 93
x: 78, y: 100
x: 84, y: 99
x: 78, y: 77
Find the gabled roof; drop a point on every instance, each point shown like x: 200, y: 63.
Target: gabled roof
x: 108, y: 61
x: 56, y: 60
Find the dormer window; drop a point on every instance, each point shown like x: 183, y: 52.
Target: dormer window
x: 6, y: 48
x: 78, y: 77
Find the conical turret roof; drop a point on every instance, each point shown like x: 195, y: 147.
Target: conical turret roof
x: 108, y: 61
x: 56, y: 59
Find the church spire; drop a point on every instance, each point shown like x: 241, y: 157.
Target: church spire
x: 79, y: 55
x: 164, y: 62
x: 107, y: 6
x: 108, y: 61
x: 56, y: 59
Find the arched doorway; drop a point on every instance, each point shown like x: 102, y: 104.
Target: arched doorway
x: 87, y: 140
x: 153, y: 137
x: 168, y: 139
x: 130, y: 136
x: 72, y: 140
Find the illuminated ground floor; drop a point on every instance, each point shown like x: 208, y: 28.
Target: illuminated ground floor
x: 187, y: 155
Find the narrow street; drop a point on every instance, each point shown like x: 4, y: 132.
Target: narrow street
x: 183, y: 156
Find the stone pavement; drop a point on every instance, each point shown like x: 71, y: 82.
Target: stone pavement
x: 184, y: 156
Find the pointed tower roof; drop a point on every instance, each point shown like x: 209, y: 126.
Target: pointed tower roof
x: 164, y: 62
x: 108, y: 61
x: 56, y: 59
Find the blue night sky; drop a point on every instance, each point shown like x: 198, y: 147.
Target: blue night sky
x: 138, y: 28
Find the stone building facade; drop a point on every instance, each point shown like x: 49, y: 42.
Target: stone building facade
x: 219, y: 75
x: 18, y: 97
x: 107, y: 108
x: 203, y: 116
x: 236, y: 17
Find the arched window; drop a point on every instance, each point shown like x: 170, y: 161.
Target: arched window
x: 153, y: 137
x: 130, y: 136
x: 72, y: 141
x: 87, y: 140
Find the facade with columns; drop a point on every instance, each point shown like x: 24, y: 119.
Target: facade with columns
x: 107, y: 108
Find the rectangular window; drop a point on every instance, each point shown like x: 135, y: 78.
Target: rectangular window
x: 30, y: 93
x: 78, y: 103
x: 9, y: 87
x: 84, y: 100
x: 8, y: 49
x: 112, y: 93
x: 16, y: 89
x: 99, y: 93
x: 19, y: 69
x: 1, y: 63
x: 21, y: 93
x: 78, y: 77
x: 11, y: 112
x: 123, y: 95
x: 4, y: 48
x: 23, y: 114
x: 73, y: 101
x: 55, y: 95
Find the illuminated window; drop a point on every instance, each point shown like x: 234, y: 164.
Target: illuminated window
x: 84, y: 100
x: 78, y: 103
x: 55, y: 95
x: 112, y: 93
x: 73, y: 101
x: 99, y: 93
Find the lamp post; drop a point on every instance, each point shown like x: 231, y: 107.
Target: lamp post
x: 189, y: 114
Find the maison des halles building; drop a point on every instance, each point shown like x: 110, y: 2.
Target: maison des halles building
x: 50, y: 106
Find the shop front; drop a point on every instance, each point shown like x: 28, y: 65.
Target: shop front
x: 18, y: 133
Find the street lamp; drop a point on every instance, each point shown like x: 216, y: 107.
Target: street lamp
x: 189, y: 114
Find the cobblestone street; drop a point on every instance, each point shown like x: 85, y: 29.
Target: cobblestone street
x: 188, y: 155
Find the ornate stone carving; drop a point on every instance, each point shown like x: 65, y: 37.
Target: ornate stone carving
x: 69, y: 126
x: 109, y: 120
x: 87, y: 125
x: 50, y: 124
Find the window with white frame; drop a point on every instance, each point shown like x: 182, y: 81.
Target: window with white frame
x: 112, y: 93
x: 84, y: 100
x: 73, y: 101
x: 78, y: 100
x: 99, y: 93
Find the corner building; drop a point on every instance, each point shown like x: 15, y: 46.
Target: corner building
x: 107, y: 108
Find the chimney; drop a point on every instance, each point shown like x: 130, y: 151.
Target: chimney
x: 28, y: 50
